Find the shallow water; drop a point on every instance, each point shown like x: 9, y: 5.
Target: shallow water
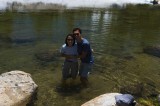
x: 30, y: 41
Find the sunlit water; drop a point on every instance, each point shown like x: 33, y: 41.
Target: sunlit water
x: 30, y: 41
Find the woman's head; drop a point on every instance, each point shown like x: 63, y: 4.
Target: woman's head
x: 70, y: 40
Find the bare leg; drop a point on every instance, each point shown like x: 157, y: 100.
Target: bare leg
x: 64, y: 83
x: 84, y: 81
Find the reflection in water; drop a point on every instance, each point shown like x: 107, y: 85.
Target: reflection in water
x: 23, y: 30
x: 5, y: 20
x: 43, y: 26
x: 107, y: 20
x: 117, y: 37
x: 101, y: 24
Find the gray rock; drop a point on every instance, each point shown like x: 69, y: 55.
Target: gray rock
x: 159, y: 99
x: 16, y: 88
x: 107, y: 99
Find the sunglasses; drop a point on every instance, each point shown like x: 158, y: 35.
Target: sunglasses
x: 69, y: 39
x: 76, y: 34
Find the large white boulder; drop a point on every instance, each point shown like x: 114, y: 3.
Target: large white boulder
x: 16, y: 88
x: 107, y: 99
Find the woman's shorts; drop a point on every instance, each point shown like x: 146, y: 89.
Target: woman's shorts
x: 69, y: 69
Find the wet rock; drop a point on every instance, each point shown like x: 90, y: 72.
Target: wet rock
x: 152, y: 50
x: 107, y: 99
x: 129, y: 57
x: 16, y: 88
x: 140, y: 89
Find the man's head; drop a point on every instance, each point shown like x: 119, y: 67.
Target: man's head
x: 77, y: 34
x: 77, y: 30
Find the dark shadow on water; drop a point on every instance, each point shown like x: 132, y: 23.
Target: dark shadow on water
x: 69, y: 90
x: 33, y: 98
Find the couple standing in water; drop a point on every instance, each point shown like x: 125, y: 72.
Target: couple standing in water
x: 76, y: 47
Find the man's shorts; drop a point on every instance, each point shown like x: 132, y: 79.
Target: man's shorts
x: 69, y: 69
x: 85, y: 68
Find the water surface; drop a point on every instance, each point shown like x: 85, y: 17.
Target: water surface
x: 30, y: 42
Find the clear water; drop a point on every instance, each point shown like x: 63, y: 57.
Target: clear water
x: 30, y: 42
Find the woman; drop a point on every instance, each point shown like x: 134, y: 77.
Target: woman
x: 69, y: 51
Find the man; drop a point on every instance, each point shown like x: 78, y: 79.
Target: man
x: 85, y: 55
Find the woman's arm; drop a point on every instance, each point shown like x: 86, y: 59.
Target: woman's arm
x: 69, y: 56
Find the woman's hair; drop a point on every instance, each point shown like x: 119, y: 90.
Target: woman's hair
x: 75, y: 29
x: 67, y: 38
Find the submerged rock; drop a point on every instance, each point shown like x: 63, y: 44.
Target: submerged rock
x: 16, y: 88
x: 107, y: 99
x: 46, y: 56
x: 152, y: 50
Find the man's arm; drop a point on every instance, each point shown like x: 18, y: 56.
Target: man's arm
x: 83, y: 55
x: 84, y: 51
